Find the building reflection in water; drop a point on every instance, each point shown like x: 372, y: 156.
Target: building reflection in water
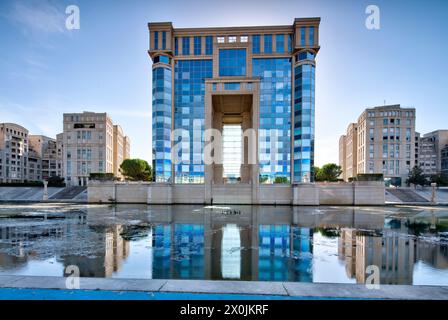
x: 191, y: 242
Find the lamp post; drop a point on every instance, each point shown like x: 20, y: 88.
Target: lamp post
x: 45, y: 197
x: 433, y: 196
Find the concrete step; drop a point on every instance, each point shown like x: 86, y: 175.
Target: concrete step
x: 407, y: 195
x: 68, y: 193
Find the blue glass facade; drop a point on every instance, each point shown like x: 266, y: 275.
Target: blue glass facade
x: 156, y: 40
x: 197, y: 46
x: 185, y: 46
x: 275, y: 252
x: 162, y: 120
x: 189, y: 114
x: 280, y: 43
x: 232, y: 62
x: 304, y: 101
x: 275, y: 117
x: 256, y: 47
x: 186, y: 243
x: 208, y: 45
x: 268, y: 43
x: 286, y: 127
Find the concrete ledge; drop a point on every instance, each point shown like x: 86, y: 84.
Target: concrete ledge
x: 311, y: 194
x: 236, y: 287
x: 292, y: 289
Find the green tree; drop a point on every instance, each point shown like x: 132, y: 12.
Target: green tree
x: 281, y: 180
x: 314, y: 171
x: 416, y: 177
x: 329, y: 172
x: 136, y: 170
x: 263, y: 179
x: 440, y: 179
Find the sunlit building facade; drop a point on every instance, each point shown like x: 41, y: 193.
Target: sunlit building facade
x: 260, y: 78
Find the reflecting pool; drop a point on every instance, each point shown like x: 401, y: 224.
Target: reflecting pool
x: 408, y: 245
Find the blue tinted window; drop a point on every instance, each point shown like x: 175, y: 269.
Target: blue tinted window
x: 311, y: 36
x: 197, y: 46
x: 176, y: 46
x: 189, y: 114
x: 156, y: 40
x: 256, y: 43
x: 289, y: 43
x: 232, y: 86
x: 304, y: 102
x: 162, y: 117
x: 302, y: 36
x: 163, y: 40
x: 275, y: 116
x: 185, y: 46
x: 280, y: 43
x: 232, y: 62
x: 305, y: 56
x: 268, y: 43
x: 209, y: 45
x: 163, y: 59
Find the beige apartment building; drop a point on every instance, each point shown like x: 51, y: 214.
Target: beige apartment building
x: 47, y: 150
x: 385, y: 143
x: 121, y: 149
x: 351, y: 152
x: 430, y: 152
x: 343, y: 155
x: 89, y: 146
x: 13, y: 153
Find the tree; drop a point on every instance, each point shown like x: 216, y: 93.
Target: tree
x: 440, y: 179
x: 416, y: 177
x: 314, y: 171
x: 329, y: 172
x: 136, y: 170
x: 281, y: 180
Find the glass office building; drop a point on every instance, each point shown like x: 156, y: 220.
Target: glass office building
x: 250, y: 79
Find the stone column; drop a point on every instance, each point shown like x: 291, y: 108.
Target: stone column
x: 45, y: 196
x: 434, y: 196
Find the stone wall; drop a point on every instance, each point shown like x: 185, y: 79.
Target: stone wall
x: 305, y: 194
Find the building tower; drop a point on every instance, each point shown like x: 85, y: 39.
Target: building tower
x: 253, y: 85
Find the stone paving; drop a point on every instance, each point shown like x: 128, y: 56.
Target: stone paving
x: 256, y: 288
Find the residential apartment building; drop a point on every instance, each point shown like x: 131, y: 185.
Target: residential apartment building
x: 385, y: 143
x: 343, y: 156
x: 233, y: 79
x: 121, y: 149
x: 351, y: 153
x: 430, y: 151
x: 444, y: 161
x: 88, y: 146
x: 417, y: 148
x: 34, y: 169
x: 13, y: 153
x: 51, y: 158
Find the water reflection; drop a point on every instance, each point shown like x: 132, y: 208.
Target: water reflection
x: 302, y: 244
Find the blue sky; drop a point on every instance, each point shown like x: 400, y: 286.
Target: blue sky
x: 46, y: 70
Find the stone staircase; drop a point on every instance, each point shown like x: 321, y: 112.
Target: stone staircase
x: 406, y: 195
x: 68, y: 193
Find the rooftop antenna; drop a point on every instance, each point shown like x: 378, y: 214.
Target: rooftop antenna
x: 384, y: 101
